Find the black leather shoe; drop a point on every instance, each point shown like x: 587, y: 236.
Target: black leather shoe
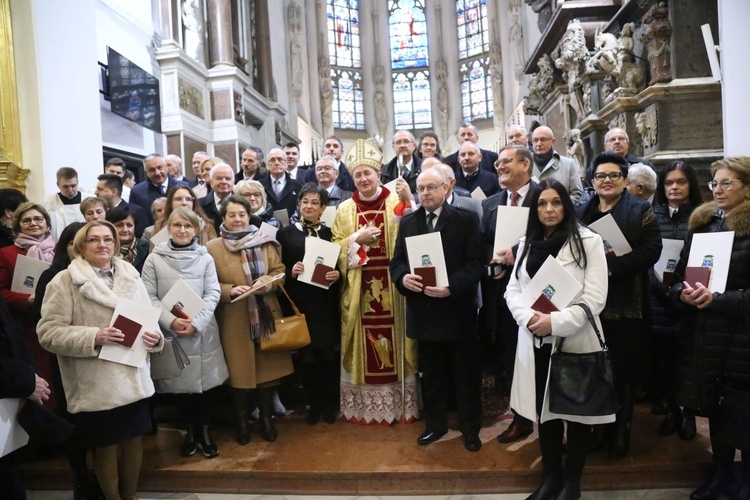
x: 515, y: 432
x: 189, y: 446
x: 472, y: 443
x: 330, y: 416
x: 571, y: 491
x: 670, y: 424
x: 717, y: 485
x: 313, y: 415
x: 551, y: 486
x: 687, y: 429
x: 619, y: 447
x: 429, y: 437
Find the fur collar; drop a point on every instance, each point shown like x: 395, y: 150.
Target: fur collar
x: 738, y: 219
x: 93, y: 288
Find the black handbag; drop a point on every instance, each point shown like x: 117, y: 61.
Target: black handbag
x: 582, y: 383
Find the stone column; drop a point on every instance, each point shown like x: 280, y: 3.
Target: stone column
x: 263, y: 48
x: 220, y: 26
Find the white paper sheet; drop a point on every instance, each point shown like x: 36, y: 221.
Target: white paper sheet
x: 268, y: 230
x: 614, y: 240
x: 12, y: 436
x: 144, y: 314
x: 426, y: 250
x: 510, y: 225
x: 258, y: 286
x: 283, y: 216
x: 670, y: 256
x: 318, y: 251
x: 26, y: 275
x: 713, y: 250
x: 329, y: 215
x: 391, y: 186
x: 555, y: 282
x: 478, y: 194
x: 189, y: 301
x: 161, y: 237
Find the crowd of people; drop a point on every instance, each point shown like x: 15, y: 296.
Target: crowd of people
x: 383, y: 333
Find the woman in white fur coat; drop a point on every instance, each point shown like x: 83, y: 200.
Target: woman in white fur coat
x: 109, y: 401
x: 184, y: 258
x: 554, y: 231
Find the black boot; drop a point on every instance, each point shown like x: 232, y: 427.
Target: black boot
x: 265, y: 406
x: 552, y: 484
x: 744, y: 489
x: 312, y: 382
x: 571, y: 491
x: 671, y: 422
x: 330, y: 391
x: 619, y: 445
x: 206, y: 445
x: 720, y: 481
x: 687, y: 428
x: 189, y: 446
x: 241, y: 410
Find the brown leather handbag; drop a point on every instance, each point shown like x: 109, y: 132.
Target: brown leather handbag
x: 291, y: 332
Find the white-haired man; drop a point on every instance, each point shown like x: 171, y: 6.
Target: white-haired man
x: 642, y: 181
x: 467, y: 132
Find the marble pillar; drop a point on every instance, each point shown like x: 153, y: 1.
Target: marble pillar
x: 263, y: 48
x: 220, y: 31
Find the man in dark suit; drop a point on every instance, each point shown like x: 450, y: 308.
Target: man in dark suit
x: 452, y: 199
x: 252, y: 165
x: 198, y: 158
x: 157, y: 184
x: 334, y: 147
x: 326, y: 173
x: 222, y: 184
x: 291, y: 150
x: 280, y: 187
x: 109, y: 188
x: 470, y: 176
x: 617, y: 141
x: 405, y: 165
x: 468, y: 132
x: 514, y: 166
x: 442, y: 319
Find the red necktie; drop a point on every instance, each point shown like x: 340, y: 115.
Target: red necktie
x: 514, y: 199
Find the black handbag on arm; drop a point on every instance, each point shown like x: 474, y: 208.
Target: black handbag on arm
x: 582, y: 383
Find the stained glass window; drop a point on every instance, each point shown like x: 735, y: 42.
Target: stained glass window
x: 411, y: 86
x: 473, y: 32
x: 348, y: 111
x: 476, y: 89
x: 343, y: 33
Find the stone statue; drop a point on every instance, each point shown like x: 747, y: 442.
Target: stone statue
x: 441, y: 74
x: 540, y: 85
x: 586, y: 99
x: 381, y: 114
x: 615, y: 57
x: 294, y: 24
x: 192, y: 22
x: 326, y: 91
x: 605, y: 54
x: 657, y: 39
x: 516, y: 41
x: 572, y: 56
x: 543, y: 9
x: 647, y: 126
x: 576, y: 149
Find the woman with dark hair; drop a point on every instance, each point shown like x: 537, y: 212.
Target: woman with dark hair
x: 184, y: 196
x: 9, y: 200
x: 677, y: 195
x: 554, y: 231
x: 247, y: 258
x: 429, y: 146
x: 627, y: 315
x: 133, y: 250
x: 320, y: 360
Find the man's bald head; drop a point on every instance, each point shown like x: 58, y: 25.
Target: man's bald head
x: 430, y: 162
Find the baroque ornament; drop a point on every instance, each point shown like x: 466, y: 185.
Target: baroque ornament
x: 657, y: 39
x: 647, y: 126
x: 191, y: 99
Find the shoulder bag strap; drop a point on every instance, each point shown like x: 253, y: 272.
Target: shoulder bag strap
x: 294, y: 306
x: 590, y: 316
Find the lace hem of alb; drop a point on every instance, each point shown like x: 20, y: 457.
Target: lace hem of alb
x: 379, y: 404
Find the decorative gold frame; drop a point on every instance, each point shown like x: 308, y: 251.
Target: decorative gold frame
x: 12, y: 174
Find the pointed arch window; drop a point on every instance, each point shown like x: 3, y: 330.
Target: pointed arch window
x: 344, y: 55
x: 474, y: 64
x: 348, y: 110
x: 476, y: 89
x: 407, y: 26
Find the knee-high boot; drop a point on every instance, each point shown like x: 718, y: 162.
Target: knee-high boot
x: 579, y: 436
x: 550, y: 441
x: 619, y: 445
x: 330, y: 390
x: 265, y: 406
x: 720, y: 480
x: 241, y: 414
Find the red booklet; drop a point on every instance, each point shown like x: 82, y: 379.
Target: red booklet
x: 668, y: 278
x: 319, y: 274
x: 128, y: 327
x: 695, y: 275
x: 544, y: 305
x: 177, y: 311
x: 427, y: 274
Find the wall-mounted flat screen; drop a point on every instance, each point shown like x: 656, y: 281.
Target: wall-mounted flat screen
x: 133, y: 92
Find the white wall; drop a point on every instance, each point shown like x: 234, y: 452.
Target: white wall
x: 734, y: 38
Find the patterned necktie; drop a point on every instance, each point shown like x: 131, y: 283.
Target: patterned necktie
x: 430, y: 222
x: 404, y: 172
x: 514, y: 199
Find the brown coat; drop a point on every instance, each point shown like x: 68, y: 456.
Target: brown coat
x: 248, y: 367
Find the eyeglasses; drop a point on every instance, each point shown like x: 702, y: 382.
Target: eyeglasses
x: 314, y: 203
x: 617, y: 139
x: 180, y: 199
x: 323, y: 167
x: 28, y: 220
x: 99, y: 241
x: 726, y: 184
x: 178, y: 226
x: 431, y: 188
x: 602, y: 176
x: 541, y: 139
x: 251, y: 195
x: 503, y: 161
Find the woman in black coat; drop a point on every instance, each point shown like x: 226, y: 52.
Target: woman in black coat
x: 713, y: 341
x: 626, y: 319
x: 677, y: 195
x: 320, y: 360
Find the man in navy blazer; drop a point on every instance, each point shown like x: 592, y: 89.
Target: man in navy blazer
x: 468, y: 132
x: 442, y: 319
x: 405, y: 164
x: 109, y: 188
x: 281, y: 189
x: 222, y: 185
x: 470, y: 176
x: 334, y: 147
x: 157, y: 184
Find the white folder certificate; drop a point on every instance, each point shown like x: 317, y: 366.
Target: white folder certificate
x: 161, y: 237
x: 614, y: 240
x: 182, y: 298
x: 329, y: 215
x: 26, y: 275
x: 12, y: 436
x: 318, y: 251
x: 426, y: 250
x: 478, y: 194
x: 553, y: 281
x: 268, y: 230
x: 713, y: 250
x: 147, y: 318
x: 510, y: 226
x: 670, y: 256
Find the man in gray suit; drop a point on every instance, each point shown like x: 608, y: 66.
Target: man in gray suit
x: 451, y: 198
x: 326, y: 173
x: 548, y: 163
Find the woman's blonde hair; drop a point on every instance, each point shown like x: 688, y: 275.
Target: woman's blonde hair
x: 186, y: 214
x: 79, y: 242
x: 740, y: 165
x: 255, y: 185
x: 25, y: 207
